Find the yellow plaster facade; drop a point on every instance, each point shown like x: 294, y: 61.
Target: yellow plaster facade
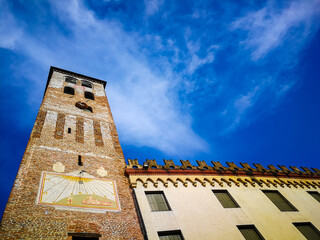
x: 196, y: 211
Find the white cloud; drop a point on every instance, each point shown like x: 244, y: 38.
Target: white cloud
x: 10, y: 31
x: 152, y: 6
x: 267, y: 28
x: 144, y: 102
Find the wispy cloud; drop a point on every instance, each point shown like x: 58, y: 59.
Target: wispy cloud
x: 269, y: 27
x: 145, y: 104
x: 152, y: 6
x: 10, y: 31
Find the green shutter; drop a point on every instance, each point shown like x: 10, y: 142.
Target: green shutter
x: 225, y: 199
x: 157, y: 201
x: 316, y: 195
x: 308, y: 230
x: 280, y: 201
x: 250, y: 232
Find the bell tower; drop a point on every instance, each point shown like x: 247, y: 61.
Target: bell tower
x: 71, y: 182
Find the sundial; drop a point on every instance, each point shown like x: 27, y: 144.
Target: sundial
x: 78, y: 191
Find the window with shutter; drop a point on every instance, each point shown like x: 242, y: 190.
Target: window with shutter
x: 308, y: 230
x: 315, y: 195
x: 157, y: 201
x: 250, y: 232
x: 280, y: 201
x: 225, y: 199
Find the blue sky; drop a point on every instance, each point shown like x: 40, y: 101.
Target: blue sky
x: 198, y: 80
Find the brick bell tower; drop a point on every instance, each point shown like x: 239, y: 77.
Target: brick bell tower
x: 71, y: 182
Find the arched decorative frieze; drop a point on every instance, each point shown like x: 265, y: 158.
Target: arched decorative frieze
x: 175, y: 183
x: 235, y: 182
x: 217, y: 181
x: 201, y: 181
x: 265, y: 183
x: 207, y: 180
x: 272, y: 182
x: 242, y: 181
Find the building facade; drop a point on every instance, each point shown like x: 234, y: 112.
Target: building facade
x: 71, y: 182
x: 216, y: 202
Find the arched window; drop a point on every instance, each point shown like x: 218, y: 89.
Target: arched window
x: 86, y: 84
x: 68, y: 90
x: 71, y: 80
x: 89, y: 95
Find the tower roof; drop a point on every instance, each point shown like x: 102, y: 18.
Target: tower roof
x: 52, y: 69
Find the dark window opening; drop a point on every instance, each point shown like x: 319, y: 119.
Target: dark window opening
x: 315, y: 195
x: 171, y: 167
x: 250, y: 232
x: 71, y: 80
x: 309, y: 231
x: 80, y: 163
x: 69, y: 130
x: 171, y: 235
x: 68, y: 90
x: 280, y: 201
x: 205, y: 168
x: 157, y: 201
x: 225, y: 199
x: 188, y: 167
x: 89, y: 95
x: 86, y: 84
x: 135, y: 167
x: 85, y: 236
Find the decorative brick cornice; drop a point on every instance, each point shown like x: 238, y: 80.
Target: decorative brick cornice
x: 188, y: 175
x: 150, y: 167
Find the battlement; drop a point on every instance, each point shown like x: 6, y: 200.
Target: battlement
x: 186, y: 168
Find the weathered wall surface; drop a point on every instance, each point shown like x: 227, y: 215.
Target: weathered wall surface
x: 61, y: 134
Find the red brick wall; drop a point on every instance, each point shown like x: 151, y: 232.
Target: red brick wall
x: 94, y: 137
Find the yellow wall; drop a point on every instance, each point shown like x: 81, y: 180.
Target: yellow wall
x: 199, y: 215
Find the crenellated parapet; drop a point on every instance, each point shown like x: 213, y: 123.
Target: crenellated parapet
x: 203, y: 174
x: 218, y: 168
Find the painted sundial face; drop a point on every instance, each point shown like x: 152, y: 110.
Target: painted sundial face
x: 77, y: 191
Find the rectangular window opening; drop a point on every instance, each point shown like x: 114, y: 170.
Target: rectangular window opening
x: 171, y: 235
x: 69, y: 130
x: 309, y: 231
x: 79, y: 161
x: 226, y: 200
x: 315, y: 195
x: 85, y: 236
x: 280, y: 201
x: 157, y: 201
x: 250, y: 232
